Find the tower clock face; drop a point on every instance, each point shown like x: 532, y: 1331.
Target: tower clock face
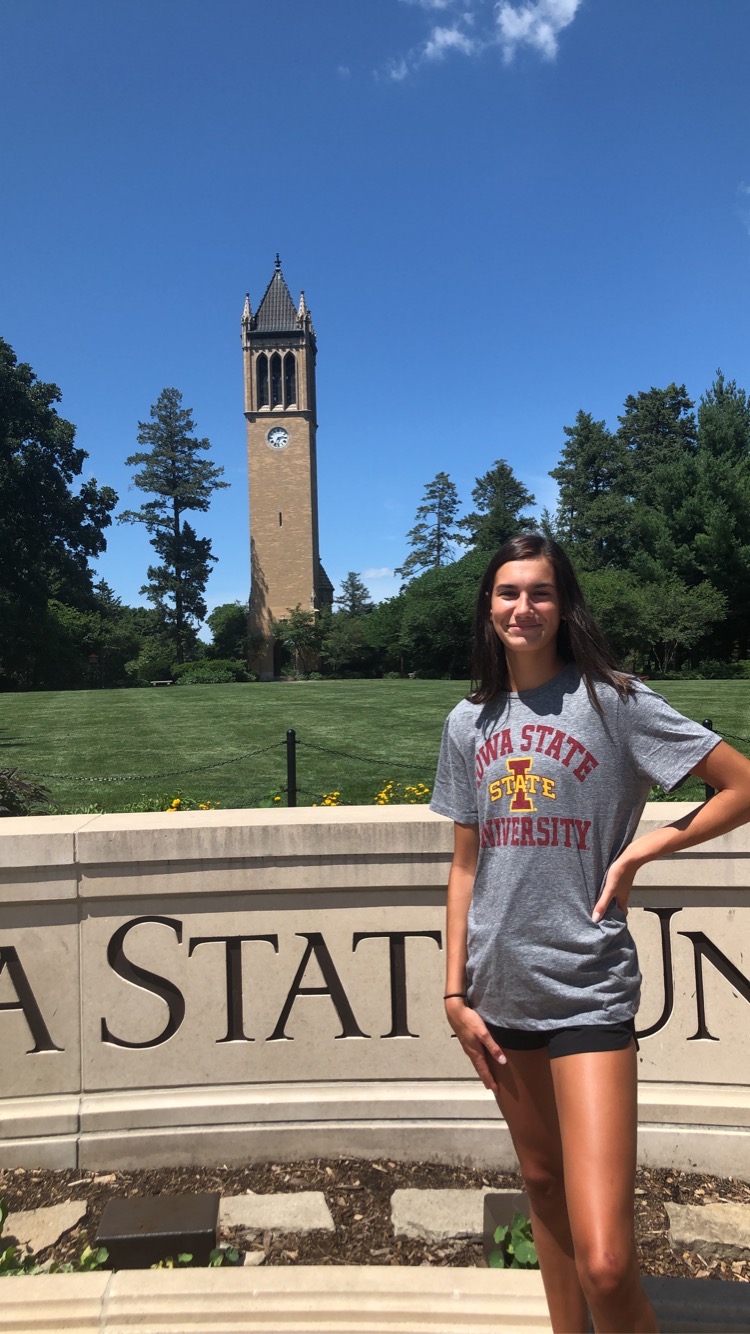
x: 278, y: 438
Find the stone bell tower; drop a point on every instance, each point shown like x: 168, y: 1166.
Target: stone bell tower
x: 279, y: 351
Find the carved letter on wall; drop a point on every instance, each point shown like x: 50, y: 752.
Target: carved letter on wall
x: 334, y: 988
x: 397, y: 948
x: 235, y: 1014
x: 26, y: 1001
x: 703, y: 947
x: 665, y: 916
x: 146, y: 981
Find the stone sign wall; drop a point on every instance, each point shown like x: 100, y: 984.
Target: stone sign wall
x: 209, y: 986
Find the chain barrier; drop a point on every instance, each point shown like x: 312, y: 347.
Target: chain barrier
x: 291, y: 743
x: 366, y: 759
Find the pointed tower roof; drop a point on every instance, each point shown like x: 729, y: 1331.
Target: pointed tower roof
x: 276, y: 312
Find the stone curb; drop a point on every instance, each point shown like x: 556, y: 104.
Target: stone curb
x: 303, y: 1300
x: 321, y: 1299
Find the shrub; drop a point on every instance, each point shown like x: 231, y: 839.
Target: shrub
x: 22, y: 796
x: 713, y: 670
x: 210, y: 672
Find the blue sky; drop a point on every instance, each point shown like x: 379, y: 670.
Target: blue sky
x: 499, y: 212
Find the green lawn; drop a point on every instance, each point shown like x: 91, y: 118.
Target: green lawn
x: 382, y: 729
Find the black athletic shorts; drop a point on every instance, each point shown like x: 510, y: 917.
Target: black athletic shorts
x: 566, y: 1041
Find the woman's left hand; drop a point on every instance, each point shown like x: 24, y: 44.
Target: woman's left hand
x: 617, y: 885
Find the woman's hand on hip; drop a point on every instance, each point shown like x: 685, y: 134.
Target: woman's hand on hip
x: 617, y: 885
x: 476, y: 1041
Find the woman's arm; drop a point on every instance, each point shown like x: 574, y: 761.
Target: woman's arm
x: 466, y: 1024
x: 460, y: 882
x: 726, y: 770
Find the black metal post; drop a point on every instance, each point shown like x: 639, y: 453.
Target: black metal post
x: 291, y: 767
x: 710, y: 791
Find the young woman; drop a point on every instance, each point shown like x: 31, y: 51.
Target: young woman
x: 545, y: 771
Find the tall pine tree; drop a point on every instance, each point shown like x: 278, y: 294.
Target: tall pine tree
x: 593, y: 509
x: 500, y: 500
x: 433, y: 535
x: 180, y: 481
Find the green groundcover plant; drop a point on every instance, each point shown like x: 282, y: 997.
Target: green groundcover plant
x: 514, y: 1246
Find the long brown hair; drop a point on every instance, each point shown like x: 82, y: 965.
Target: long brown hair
x: 579, y: 638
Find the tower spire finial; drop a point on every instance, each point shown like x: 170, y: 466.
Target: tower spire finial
x: 278, y: 261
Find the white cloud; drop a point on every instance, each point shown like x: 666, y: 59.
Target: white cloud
x: 442, y: 40
x: 535, y: 24
x: 429, y: 4
x: 476, y: 25
x: 398, y: 70
x: 380, y: 572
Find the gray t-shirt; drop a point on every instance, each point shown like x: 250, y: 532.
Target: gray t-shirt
x: 557, y: 792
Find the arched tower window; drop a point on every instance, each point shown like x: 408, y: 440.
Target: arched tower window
x: 290, y: 379
x: 276, y: 399
x: 262, y: 374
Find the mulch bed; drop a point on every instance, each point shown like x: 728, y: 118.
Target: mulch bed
x: 358, y: 1194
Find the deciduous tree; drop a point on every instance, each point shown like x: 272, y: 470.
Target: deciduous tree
x: 228, y: 626
x: 300, y: 634
x: 51, y: 524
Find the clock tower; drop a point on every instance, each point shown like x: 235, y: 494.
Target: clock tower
x: 279, y: 350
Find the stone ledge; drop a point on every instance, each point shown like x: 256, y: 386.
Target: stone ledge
x: 50, y: 1151
x: 321, y: 1299
x: 658, y: 1104
x: 704, y: 1127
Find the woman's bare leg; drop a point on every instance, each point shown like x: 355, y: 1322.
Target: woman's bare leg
x: 595, y: 1093
x: 526, y: 1097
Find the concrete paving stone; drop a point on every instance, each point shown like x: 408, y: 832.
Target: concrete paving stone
x: 713, y: 1230
x: 295, y: 1211
x: 438, y: 1215
x: 39, y: 1228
